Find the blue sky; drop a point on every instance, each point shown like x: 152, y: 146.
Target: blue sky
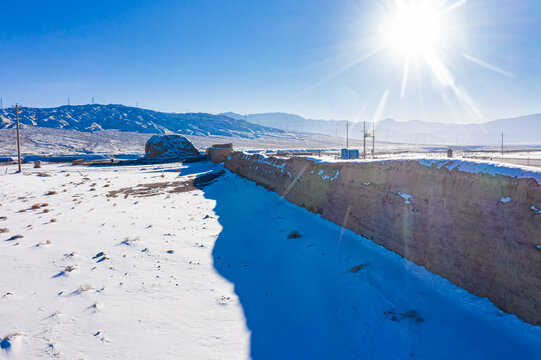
x: 262, y: 56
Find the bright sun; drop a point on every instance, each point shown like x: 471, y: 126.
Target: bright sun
x: 414, y: 29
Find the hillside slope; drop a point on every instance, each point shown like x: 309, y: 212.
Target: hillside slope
x: 523, y: 130
x: 91, y: 118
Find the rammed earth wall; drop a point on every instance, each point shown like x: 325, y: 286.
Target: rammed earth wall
x: 477, y: 225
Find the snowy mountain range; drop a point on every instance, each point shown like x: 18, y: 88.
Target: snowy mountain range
x: 524, y: 130
x: 91, y: 118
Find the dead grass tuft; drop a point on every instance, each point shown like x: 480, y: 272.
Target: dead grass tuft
x: 294, y: 235
x: 357, y: 268
x: 85, y: 287
x: 11, y: 336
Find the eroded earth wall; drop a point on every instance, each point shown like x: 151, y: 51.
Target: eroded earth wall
x: 477, y: 229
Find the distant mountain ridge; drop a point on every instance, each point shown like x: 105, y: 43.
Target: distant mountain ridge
x: 90, y: 118
x: 523, y: 130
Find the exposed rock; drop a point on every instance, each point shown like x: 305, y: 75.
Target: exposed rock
x: 169, y: 147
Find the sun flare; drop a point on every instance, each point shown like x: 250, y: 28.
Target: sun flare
x: 414, y: 29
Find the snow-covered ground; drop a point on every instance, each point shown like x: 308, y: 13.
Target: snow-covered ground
x: 224, y: 271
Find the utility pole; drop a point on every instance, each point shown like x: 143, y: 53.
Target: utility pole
x: 18, y: 138
x: 502, y: 143
x: 373, y: 139
x: 68, y: 101
x: 364, y: 139
x: 1, y: 104
x: 92, y: 100
x: 347, y: 134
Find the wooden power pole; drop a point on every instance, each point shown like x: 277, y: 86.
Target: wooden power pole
x: 347, y: 134
x: 18, y: 138
x: 373, y: 139
x: 502, y: 143
x: 364, y: 139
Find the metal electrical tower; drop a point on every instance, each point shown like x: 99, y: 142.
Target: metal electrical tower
x: 502, y: 143
x: 18, y: 138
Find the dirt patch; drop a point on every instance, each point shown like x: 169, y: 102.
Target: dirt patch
x: 167, y: 187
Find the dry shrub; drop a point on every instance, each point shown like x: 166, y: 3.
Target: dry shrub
x: 22, y: 210
x: 36, y: 206
x: 294, y: 235
x: 3, y: 218
x: 53, y: 220
x: 92, y: 189
x: 4, y: 230
x: 11, y: 336
x: 106, y: 185
x: 70, y: 268
x: 46, y: 210
x: 357, y: 268
x: 51, y: 192
x: 44, y: 204
x: 84, y: 287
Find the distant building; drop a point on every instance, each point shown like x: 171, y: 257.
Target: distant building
x: 450, y: 153
x: 350, y: 154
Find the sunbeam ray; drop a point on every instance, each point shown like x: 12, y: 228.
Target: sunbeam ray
x: 338, y: 72
x: 381, y: 106
x: 404, y: 78
x: 452, y: 7
x: 487, y: 65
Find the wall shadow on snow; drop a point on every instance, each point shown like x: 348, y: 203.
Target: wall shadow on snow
x: 288, y: 310
x: 301, y: 299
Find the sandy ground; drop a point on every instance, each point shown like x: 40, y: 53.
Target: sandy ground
x: 184, y: 269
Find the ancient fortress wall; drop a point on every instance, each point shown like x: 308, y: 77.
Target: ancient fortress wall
x: 476, y: 224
